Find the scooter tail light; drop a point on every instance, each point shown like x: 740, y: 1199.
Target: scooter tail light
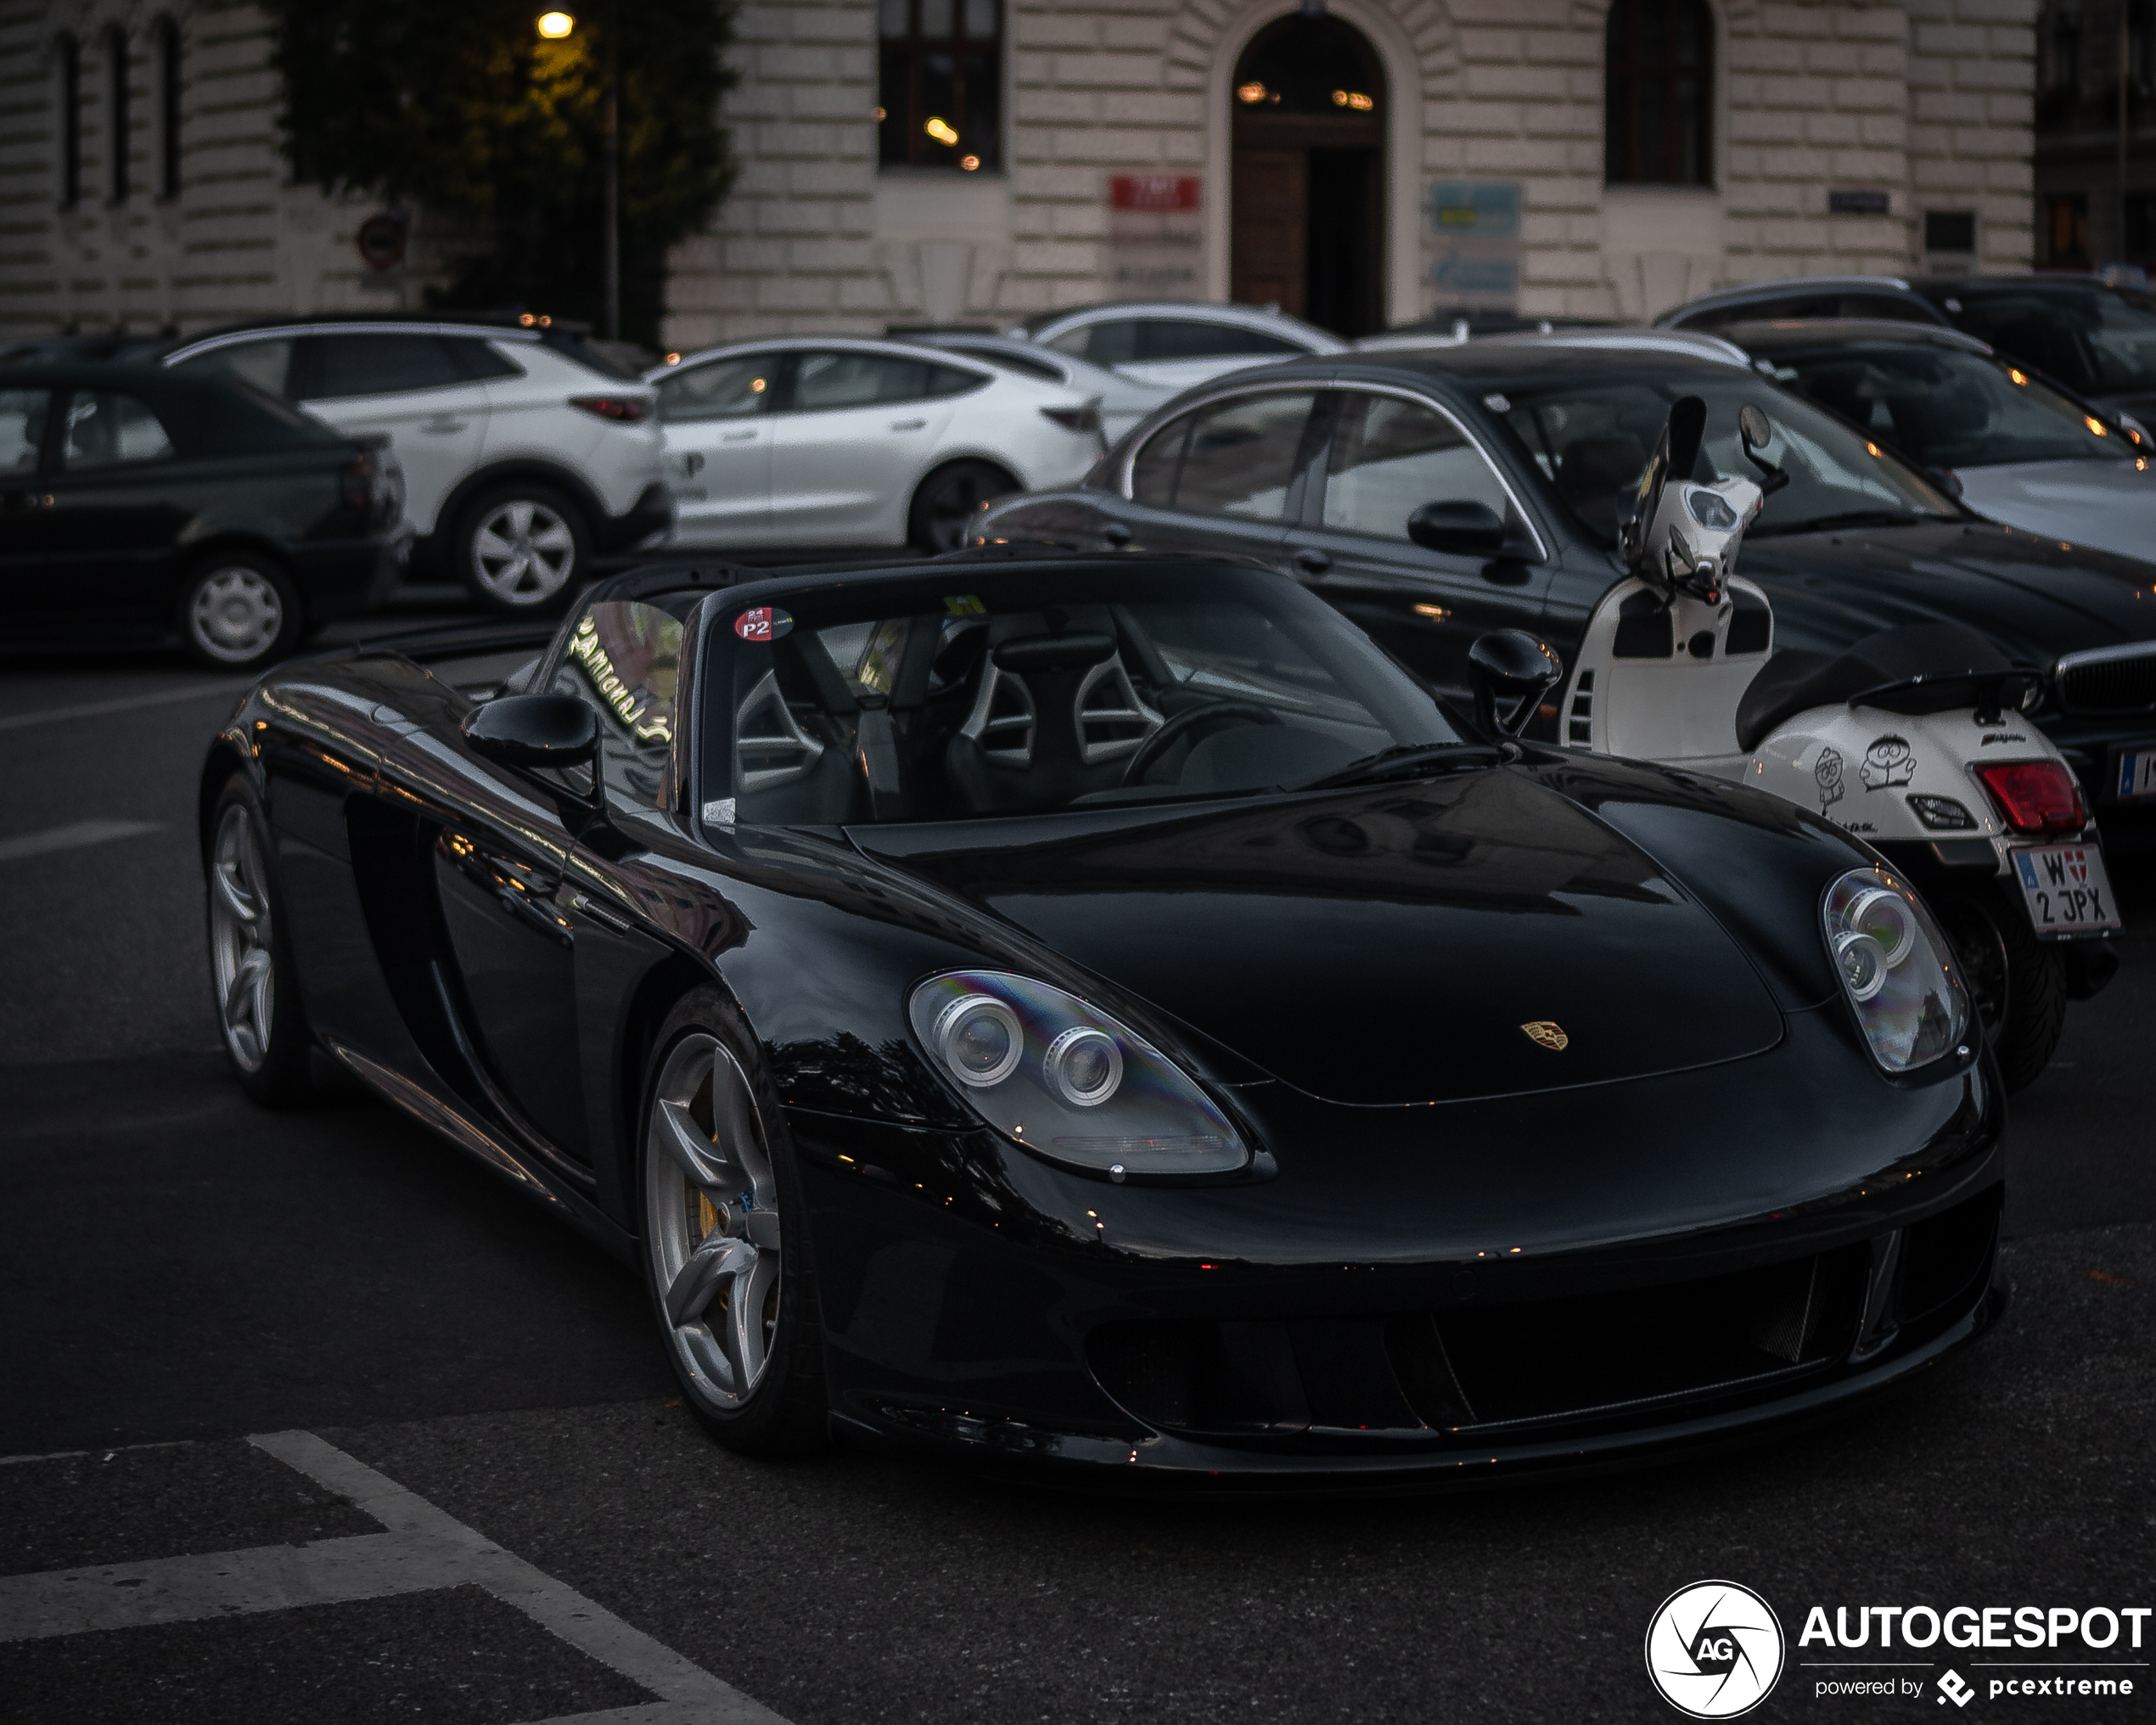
x: 2034, y: 796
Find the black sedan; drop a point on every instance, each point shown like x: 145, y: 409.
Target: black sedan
x: 1102, y: 1011
x: 1434, y: 495
x: 142, y: 503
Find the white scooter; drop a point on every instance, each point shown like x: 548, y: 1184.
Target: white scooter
x: 1916, y: 739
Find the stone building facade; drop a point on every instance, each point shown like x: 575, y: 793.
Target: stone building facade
x: 1833, y: 132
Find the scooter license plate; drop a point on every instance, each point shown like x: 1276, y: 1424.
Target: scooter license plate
x: 2065, y: 889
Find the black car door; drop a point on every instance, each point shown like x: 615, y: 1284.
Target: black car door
x: 25, y: 417
x: 1226, y: 477
x: 115, y: 505
x: 1389, y: 453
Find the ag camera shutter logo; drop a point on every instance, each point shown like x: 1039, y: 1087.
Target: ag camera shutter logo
x: 1713, y: 1649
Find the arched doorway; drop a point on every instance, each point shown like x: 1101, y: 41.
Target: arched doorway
x: 1308, y: 192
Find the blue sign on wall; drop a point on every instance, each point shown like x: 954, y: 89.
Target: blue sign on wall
x: 1485, y: 208
x: 1474, y: 232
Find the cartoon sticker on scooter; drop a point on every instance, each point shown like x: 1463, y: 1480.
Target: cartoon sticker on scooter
x: 1826, y: 772
x: 1888, y: 762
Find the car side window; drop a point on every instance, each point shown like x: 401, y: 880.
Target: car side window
x: 623, y: 659
x: 1390, y: 457
x: 107, y: 428
x: 1234, y: 457
x: 1192, y: 338
x: 1112, y: 341
x: 22, y: 429
x: 479, y: 359
x: 346, y: 366
x: 1026, y: 366
x: 822, y: 381
x: 266, y: 364
x: 725, y: 388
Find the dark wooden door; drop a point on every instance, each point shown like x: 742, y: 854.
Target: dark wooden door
x: 1271, y: 206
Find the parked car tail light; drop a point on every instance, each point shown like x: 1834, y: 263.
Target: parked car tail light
x: 1084, y: 418
x: 623, y: 410
x: 1895, y: 968
x: 2035, y: 796
x: 1067, y: 1082
x: 356, y: 484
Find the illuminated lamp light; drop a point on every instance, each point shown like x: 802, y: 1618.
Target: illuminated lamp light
x: 970, y: 162
x: 757, y: 386
x: 1251, y: 94
x: 554, y: 25
x: 1872, y: 449
x: 526, y: 319
x: 673, y: 359
x: 880, y: 116
x: 1435, y: 613
x: 941, y: 130
x: 2017, y: 377
x: 2094, y: 424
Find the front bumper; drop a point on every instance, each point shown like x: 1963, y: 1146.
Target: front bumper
x: 1529, y: 1303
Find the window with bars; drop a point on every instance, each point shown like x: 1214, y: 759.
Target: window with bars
x: 939, y: 84
x: 119, y: 123
x: 69, y: 54
x: 168, y: 108
x: 1659, y: 93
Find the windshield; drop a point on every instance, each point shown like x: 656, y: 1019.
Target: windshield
x: 1592, y: 439
x: 985, y: 691
x: 1947, y: 408
x: 2096, y: 339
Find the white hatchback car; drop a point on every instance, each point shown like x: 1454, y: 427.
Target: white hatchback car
x: 1175, y: 344
x: 525, y: 454
x: 835, y: 442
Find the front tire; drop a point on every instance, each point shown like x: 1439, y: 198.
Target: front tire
x: 521, y: 549
x: 256, y: 991
x: 2018, y: 981
x: 238, y: 612
x: 947, y: 500
x: 725, y: 1243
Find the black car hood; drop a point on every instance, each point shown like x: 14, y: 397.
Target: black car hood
x: 2035, y: 598
x: 1387, y: 944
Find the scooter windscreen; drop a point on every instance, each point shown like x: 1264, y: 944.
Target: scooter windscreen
x: 1683, y: 536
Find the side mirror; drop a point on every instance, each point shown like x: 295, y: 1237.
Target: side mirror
x: 1462, y: 529
x: 1946, y: 479
x: 534, y: 730
x: 1756, y: 431
x: 1510, y: 668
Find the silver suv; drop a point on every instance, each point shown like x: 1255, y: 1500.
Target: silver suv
x: 525, y: 454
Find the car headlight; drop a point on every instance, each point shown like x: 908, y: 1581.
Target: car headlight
x: 1896, y: 969
x: 1066, y: 1080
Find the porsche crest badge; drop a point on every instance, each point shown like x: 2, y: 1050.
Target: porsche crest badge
x: 1547, y: 1033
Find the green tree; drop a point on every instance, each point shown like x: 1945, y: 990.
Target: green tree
x: 464, y: 110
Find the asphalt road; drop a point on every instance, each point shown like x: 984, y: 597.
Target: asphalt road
x: 179, y: 1271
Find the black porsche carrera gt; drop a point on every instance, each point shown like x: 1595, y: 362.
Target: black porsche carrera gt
x: 1102, y: 1010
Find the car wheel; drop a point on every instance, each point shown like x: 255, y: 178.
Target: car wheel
x: 947, y: 501
x: 520, y: 547
x: 725, y: 1238
x: 256, y: 994
x: 2017, y: 982
x: 238, y: 612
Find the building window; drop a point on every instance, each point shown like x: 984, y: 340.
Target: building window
x: 1659, y: 91
x: 168, y: 108
x: 2066, y: 230
x: 69, y: 54
x: 117, y: 121
x: 939, y: 84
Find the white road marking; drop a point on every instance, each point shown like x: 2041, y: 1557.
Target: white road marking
x: 73, y: 837
x: 423, y: 1549
x: 124, y: 704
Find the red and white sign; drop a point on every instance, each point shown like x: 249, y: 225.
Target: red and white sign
x: 1158, y: 194
x: 762, y: 623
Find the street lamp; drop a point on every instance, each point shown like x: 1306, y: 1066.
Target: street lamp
x: 553, y: 26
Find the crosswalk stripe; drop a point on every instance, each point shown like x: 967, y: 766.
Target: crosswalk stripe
x: 423, y: 1549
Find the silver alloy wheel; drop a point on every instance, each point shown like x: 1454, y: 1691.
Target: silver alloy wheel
x: 236, y: 615
x: 712, y: 1221
x: 523, y: 552
x: 240, y: 939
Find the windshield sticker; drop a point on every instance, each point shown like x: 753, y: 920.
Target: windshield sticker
x: 1887, y: 761
x: 963, y: 605
x: 762, y: 623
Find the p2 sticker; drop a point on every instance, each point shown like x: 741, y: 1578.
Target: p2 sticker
x: 762, y: 623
